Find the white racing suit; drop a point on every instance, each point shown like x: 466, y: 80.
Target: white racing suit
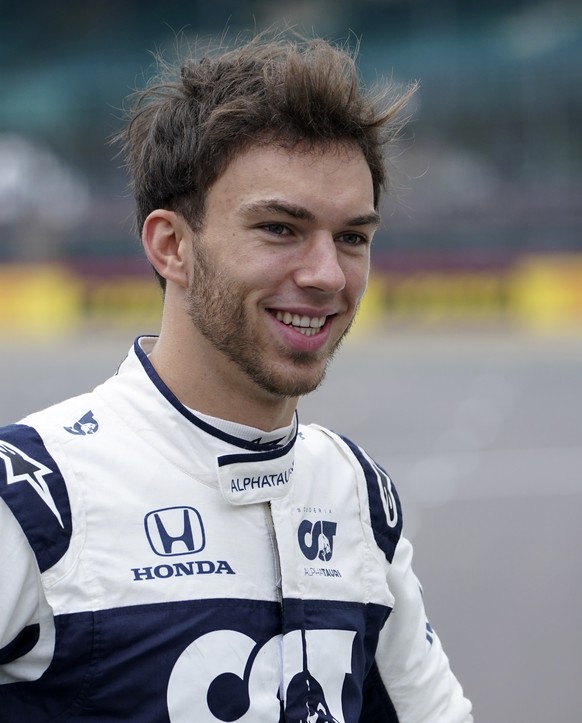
x: 158, y: 569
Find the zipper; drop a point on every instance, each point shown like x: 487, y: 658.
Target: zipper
x: 275, y: 550
x: 279, y: 596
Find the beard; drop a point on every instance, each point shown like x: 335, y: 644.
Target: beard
x: 216, y: 307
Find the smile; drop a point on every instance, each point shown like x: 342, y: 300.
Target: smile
x: 306, y: 325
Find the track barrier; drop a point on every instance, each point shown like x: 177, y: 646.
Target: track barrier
x: 541, y: 293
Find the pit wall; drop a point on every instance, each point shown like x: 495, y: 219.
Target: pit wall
x: 540, y: 293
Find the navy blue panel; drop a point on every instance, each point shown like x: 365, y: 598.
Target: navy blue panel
x: 334, y: 615
x: 366, y: 620
x: 377, y: 706
x: 115, y: 665
x: 32, y: 486
x: 385, y: 508
x: 58, y: 694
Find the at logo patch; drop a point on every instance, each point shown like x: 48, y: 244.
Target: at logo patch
x: 316, y: 539
x: 227, y: 676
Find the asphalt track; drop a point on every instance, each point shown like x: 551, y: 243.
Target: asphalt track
x: 482, y: 435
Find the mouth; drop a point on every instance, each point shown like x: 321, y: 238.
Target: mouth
x: 306, y: 325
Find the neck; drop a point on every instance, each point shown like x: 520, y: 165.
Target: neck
x: 219, y: 388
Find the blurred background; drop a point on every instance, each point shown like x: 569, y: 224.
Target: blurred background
x: 463, y: 376
x: 484, y: 224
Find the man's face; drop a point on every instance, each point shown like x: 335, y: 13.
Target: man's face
x: 281, y: 263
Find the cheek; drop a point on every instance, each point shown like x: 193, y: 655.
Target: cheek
x: 268, y: 268
x: 357, y: 278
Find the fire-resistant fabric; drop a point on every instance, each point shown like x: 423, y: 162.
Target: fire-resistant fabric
x: 157, y: 569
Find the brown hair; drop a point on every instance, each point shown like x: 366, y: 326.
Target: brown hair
x: 186, y: 128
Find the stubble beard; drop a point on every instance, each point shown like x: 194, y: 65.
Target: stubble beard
x: 216, y: 308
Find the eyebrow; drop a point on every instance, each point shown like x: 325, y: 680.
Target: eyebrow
x: 300, y: 212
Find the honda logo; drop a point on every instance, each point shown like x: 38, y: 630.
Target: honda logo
x: 175, y: 531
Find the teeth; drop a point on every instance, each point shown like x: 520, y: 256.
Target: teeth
x: 307, y: 325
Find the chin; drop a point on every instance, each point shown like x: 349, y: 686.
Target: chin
x: 295, y: 383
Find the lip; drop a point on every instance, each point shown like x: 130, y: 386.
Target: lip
x: 294, y: 338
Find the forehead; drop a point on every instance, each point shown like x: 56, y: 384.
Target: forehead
x: 336, y: 175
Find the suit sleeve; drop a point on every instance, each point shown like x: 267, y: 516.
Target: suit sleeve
x: 411, y: 680
x: 410, y: 659
x: 35, y: 532
x: 26, y: 623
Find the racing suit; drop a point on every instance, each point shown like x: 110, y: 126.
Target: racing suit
x: 158, y: 568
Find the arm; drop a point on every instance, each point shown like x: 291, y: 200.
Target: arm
x: 411, y: 680
x: 411, y: 662
x: 26, y: 625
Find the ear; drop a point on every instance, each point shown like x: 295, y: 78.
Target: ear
x: 167, y: 239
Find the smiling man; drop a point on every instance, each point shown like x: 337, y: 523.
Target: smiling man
x: 177, y: 546
x: 263, y: 294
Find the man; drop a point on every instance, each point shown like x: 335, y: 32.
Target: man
x: 176, y: 547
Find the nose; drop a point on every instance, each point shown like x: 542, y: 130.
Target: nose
x: 319, y: 266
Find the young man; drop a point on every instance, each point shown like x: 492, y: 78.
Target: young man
x: 175, y: 546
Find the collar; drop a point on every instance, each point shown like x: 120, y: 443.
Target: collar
x: 244, y: 473
x: 261, y: 439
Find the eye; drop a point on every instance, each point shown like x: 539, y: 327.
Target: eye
x: 353, y: 239
x: 277, y: 229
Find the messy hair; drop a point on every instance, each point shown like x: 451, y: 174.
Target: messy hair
x: 186, y: 127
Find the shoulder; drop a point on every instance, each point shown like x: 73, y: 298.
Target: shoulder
x: 34, y: 489
x: 384, y: 504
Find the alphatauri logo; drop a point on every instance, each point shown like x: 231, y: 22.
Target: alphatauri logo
x: 316, y: 539
x: 225, y: 675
